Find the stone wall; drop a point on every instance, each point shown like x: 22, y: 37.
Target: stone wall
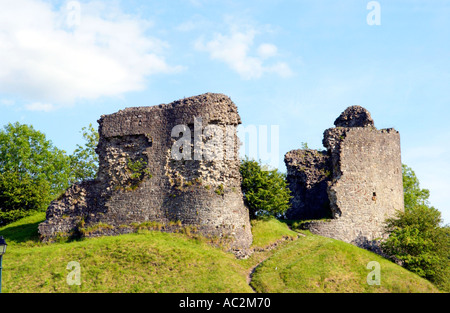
x: 308, y: 174
x: 365, y: 182
x: 139, y: 181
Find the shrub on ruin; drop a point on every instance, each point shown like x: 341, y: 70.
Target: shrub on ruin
x: 265, y: 191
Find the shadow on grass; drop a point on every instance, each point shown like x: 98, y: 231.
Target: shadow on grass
x: 294, y: 225
x: 21, y: 233
x: 299, y: 225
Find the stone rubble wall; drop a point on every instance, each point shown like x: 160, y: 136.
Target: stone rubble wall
x: 365, y: 186
x: 308, y: 173
x: 201, y: 193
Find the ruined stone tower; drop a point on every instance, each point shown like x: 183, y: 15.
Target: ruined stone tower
x: 139, y: 181
x: 354, y: 185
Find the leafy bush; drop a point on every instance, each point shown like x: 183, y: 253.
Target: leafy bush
x: 416, y: 238
x: 420, y: 244
x: 21, y: 196
x: 265, y: 191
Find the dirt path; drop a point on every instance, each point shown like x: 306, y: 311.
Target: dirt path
x: 270, y: 247
x: 250, y: 273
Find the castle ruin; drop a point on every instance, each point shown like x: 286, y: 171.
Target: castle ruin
x: 350, y: 189
x: 176, y: 165
x: 139, y: 182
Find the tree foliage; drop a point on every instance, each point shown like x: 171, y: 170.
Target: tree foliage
x: 265, y: 191
x: 84, y: 160
x: 416, y: 238
x: 413, y: 195
x: 32, y: 171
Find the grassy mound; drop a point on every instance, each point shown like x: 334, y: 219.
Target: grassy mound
x: 270, y: 231
x: 318, y: 264
x: 148, y: 261
x: 152, y: 261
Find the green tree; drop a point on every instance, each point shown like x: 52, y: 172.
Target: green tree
x: 84, y: 160
x: 20, y: 196
x: 265, y: 191
x: 413, y: 195
x: 417, y: 238
x: 33, y: 171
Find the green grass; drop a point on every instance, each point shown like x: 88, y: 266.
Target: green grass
x: 24, y: 231
x: 318, y: 264
x: 269, y: 231
x: 148, y: 261
x: 152, y: 261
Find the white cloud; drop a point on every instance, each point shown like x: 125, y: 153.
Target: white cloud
x: 234, y: 49
x: 186, y: 26
x: 6, y: 102
x: 61, y: 56
x: 38, y: 106
x: 281, y: 69
x: 267, y: 50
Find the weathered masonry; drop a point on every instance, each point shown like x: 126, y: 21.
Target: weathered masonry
x: 140, y: 183
x: 354, y: 185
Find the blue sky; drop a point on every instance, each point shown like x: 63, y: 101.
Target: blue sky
x: 293, y: 64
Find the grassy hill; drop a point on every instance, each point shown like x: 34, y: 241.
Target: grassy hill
x: 319, y: 264
x: 151, y: 261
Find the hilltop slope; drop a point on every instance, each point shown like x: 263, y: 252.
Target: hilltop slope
x: 151, y: 261
x: 319, y: 264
